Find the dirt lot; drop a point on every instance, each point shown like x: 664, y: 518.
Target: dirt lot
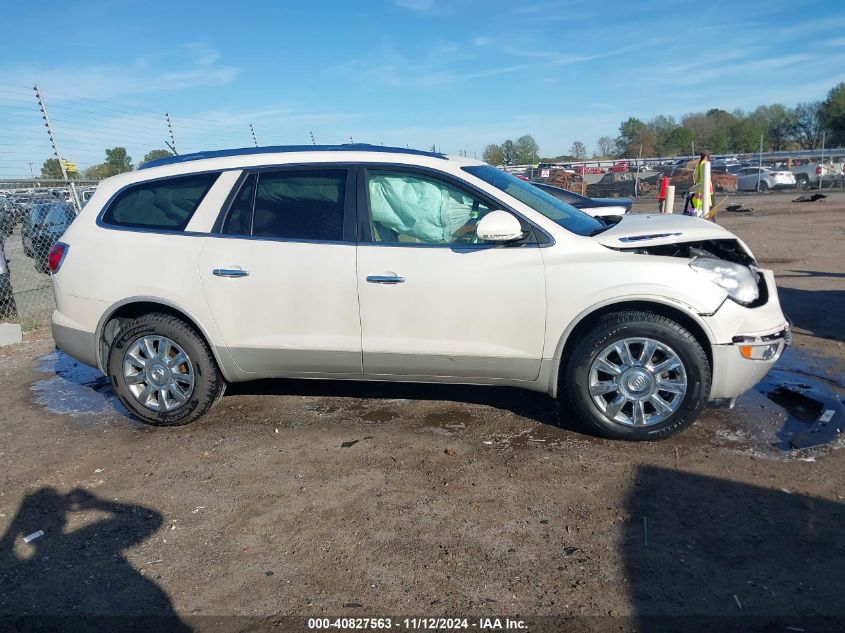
x: 303, y: 498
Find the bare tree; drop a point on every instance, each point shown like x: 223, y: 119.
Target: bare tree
x: 578, y: 150
x: 606, y: 147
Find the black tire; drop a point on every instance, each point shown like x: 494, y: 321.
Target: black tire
x: 574, y: 382
x: 209, y: 384
x: 802, y: 181
x: 764, y: 186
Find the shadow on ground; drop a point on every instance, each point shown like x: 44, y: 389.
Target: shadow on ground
x: 699, y: 546
x: 819, y: 312
x: 77, y: 566
x: 528, y: 404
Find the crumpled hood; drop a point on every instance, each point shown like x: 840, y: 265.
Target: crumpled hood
x: 653, y: 230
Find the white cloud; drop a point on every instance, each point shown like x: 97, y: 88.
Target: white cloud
x: 418, y: 6
x: 193, y: 65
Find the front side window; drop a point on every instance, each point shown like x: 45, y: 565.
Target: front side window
x: 166, y: 204
x: 412, y: 208
x: 306, y: 204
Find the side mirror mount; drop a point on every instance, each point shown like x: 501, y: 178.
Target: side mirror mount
x: 499, y: 226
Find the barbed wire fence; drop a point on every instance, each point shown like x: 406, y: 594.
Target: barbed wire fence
x: 53, y: 150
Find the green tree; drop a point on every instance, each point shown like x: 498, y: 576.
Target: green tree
x: 678, y: 142
x: 578, y: 150
x: 51, y: 169
x: 833, y: 109
x: 97, y: 172
x: 633, y: 134
x: 605, y: 147
x: 808, y: 126
x: 509, y: 152
x: 156, y: 154
x: 493, y: 155
x: 780, y: 123
x: 118, y: 161
x: 527, y: 150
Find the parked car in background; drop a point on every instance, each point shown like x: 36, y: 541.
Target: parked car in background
x: 614, y: 184
x: 808, y: 175
x: 748, y: 178
x: 8, y: 307
x: 596, y: 207
x: 7, y: 221
x: 48, y: 224
x: 328, y: 262
x: 33, y: 216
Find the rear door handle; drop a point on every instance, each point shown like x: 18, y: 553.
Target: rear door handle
x: 385, y: 279
x: 230, y: 272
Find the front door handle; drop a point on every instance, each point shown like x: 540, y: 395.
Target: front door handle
x: 230, y: 272
x: 385, y: 279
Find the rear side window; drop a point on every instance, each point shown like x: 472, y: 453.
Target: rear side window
x: 162, y: 204
x: 306, y: 204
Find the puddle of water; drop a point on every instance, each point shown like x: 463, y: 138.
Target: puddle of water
x: 74, y: 389
x: 797, y: 406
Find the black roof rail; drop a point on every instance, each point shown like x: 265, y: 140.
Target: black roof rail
x: 278, y: 149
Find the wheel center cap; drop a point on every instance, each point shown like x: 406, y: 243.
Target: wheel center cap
x: 637, y: 382
x: 158, y: 374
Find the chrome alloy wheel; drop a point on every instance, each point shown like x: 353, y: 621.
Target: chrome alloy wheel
x: 637, y: 381
x: 158, y: 373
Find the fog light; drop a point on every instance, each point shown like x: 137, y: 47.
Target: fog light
x: 759, y: 352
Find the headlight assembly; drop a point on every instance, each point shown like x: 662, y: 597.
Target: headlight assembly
x: 737, y: 280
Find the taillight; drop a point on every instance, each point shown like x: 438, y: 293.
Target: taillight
x: 56, y: 257
x: 818, y: 171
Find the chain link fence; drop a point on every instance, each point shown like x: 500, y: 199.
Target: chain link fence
x: 31, y: 220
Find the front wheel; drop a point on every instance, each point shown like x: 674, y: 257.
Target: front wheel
x: 636, y: 376
x: 163, y: 371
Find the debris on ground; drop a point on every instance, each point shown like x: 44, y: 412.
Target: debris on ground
x: 738, y: 208
x: 810, y: 197
x: 451, y: 452
x: 349, y: 443
x: 31, y: 537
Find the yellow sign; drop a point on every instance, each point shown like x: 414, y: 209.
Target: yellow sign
x: 69, y: 166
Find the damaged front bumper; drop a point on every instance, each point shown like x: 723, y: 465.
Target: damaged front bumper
x: 750, y: 342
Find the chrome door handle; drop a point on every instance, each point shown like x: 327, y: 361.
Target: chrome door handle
x: 229, y: 272
x: 385, y: 279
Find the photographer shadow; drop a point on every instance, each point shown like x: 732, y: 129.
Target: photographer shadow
x: 79, y: 571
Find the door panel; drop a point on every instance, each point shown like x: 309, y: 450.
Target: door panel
x: 280, y: 281
x: 474, y: 313
x: 294, y: 310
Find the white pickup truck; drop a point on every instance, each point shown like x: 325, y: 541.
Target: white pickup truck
x: 807, y: 175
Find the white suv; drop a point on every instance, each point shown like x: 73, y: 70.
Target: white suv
x: 364, y: 262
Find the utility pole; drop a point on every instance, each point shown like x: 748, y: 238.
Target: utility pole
x: 760, y: 163
x: 55, y: 148
x: 821, y: 164
x: 252, y: 129
x: 172, y: 143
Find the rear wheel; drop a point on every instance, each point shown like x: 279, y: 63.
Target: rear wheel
x: 764, y: 186
x: 163, y: 371
x: 802, y: 181
x: 636, y: 376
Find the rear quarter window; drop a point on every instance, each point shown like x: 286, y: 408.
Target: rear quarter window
x: 166, y: 204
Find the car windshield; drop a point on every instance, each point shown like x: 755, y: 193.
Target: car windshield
x: 556, y: 210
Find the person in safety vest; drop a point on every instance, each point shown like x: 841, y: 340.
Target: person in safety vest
x: 698, y: 185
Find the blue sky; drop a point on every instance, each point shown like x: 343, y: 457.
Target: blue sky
x: 456, y: 74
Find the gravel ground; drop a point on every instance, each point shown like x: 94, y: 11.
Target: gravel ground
x: 312, y: 498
